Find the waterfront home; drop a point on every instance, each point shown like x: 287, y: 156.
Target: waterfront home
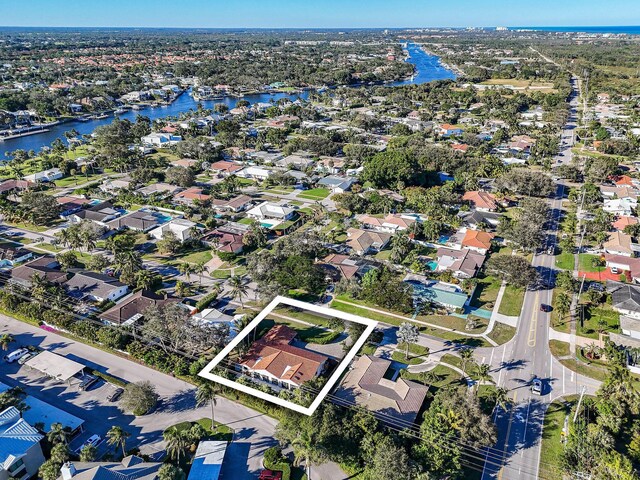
x: 182, y: 228
x: 44, y: 176
x: 161, y: 140
x: 363, y: 242
x: 376, y: 384
x: 274, y: 359
x: 20, y: 451
x: 337, y: 184
x: 132, y: 308
x: 94, y: 287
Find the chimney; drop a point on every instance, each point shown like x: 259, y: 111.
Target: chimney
x: 68, y: 470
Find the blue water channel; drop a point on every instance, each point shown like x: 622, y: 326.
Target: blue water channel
x: 428, y: 69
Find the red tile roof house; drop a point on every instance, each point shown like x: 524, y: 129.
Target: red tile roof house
x: 273, y: 359
x: 225, y: 168
x: 622, y: 222
x: 228, y: 237
x: 480, y: 200
x: 188, y: 196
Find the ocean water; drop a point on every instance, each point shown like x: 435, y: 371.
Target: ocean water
x: 626, y: 30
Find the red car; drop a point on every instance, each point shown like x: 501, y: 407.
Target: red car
x: 270, y: 475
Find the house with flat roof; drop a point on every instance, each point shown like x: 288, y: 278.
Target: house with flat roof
x: 20, y: 451
x: 131, y: 308
x: 374, y: 383
x: 182, y: 228
x: 161, y: 140
x: 273, y: 359
x: 131, y: 467
x: 94, y: 287
x: 446, y: 295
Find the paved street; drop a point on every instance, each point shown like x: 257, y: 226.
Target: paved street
x: 527, y: 355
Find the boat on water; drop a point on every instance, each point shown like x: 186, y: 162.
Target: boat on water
x: 136, y: 107
x: 120, y: 111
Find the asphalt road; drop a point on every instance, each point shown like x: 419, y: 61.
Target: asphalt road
x: 517, y: 452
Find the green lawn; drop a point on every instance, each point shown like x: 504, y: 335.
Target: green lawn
x: 588, y: 327
x: 585, y: 263
x: 552, y: 445
x: 219, y: 432
x: 512, y: 301
x: 445, y: 374
x: 46, y: 246
x: 247, y: 221
x: 31, y: 227
x: 227, y: 272
x: 78, y: 180
x: 565, y: 261
x: 315, y: 194
x: 197, y: 257
x: 398, y: 356
x: 502, y: 333
x: 486, y: 292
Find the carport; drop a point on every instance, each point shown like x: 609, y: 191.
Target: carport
x: 55, y: 366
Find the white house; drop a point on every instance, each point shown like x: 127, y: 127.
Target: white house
x: 337, y: 184
x: 620, y: 206
x: 271, y: 211
x: 181, y: 227
x: 161, y: 140
x: 44, y: 176
x: 255, y: 173
x: 95, y: 287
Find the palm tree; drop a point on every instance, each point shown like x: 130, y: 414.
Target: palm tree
x: 39, y: 286
x: 57, y: 434
x: 145, y: 279
x: 177, y: 443
x: 466, y: 355
x: 186, y: 269
x: 305, y: 449
x: 408, y: 333
x: 563, y: 304
x: 207, y: 393
x: 482, y: 371
x: 118, y: 437
x: 601, y: 325
x: 199, y: 269
x: 501, y: 398
x: 5, y: 340
x: 238, y: 288
x: 429, y: 378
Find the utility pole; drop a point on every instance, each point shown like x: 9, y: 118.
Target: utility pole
x: 575, y: 415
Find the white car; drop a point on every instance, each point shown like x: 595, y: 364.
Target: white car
x: 16, y: 355
x: 92, y: 441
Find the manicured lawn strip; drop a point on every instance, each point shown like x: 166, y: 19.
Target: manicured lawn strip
x: 315, y: 193
x: 197, y: 257
x: 512, y: 300
x: 585, y: 263
x: 46, y: 246
x: 552, y: 445
x: 29, y: 226
x: 486, y: 292
x: 565, y: 261
x: 558, y: 348
x: 79, y: 180
x: 559, y: 324
x: 399, y: 357
x: 502, y: 333
x: 303, y: 315
x: 445, y: 374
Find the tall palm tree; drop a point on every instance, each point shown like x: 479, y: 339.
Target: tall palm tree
x: 206, y: 393
x: 501, y: 398
x: 177, y: 443
x: 238, y: 288
x: 429, y: 378
x: 466, y: 355
x: 186, y: 269
x: 145, y: 279
x: 5, y: 340
x: 482, y: 371
x: 116, y: 436
x: 57, y: 434
x: 199, y: 269
x: 305, y: 450
x: 39, y: 286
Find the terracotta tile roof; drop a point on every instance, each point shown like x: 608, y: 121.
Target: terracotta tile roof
x: 274, y: 354
x: 622, y: 222
x: 481, y: 199
x: 477, y: 239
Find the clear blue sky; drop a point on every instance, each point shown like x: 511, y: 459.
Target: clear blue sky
x: 318, y: 13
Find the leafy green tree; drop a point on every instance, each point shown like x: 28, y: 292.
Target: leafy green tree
x: 5, y: 340
x: 169, y: 471
x: 139, y: 398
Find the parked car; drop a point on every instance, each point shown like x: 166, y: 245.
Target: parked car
x: 16, y: 355
x: 87, y: 381
x: 536, y: 386
x: 92, y: 441
x: 615, y: 270
x: 22, y: 360
x: 115, y: 395
x: 545, y: 308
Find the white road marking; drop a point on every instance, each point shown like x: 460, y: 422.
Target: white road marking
x: 563, y: 377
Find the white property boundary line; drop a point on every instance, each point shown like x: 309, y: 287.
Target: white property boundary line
x: 342, y: 366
